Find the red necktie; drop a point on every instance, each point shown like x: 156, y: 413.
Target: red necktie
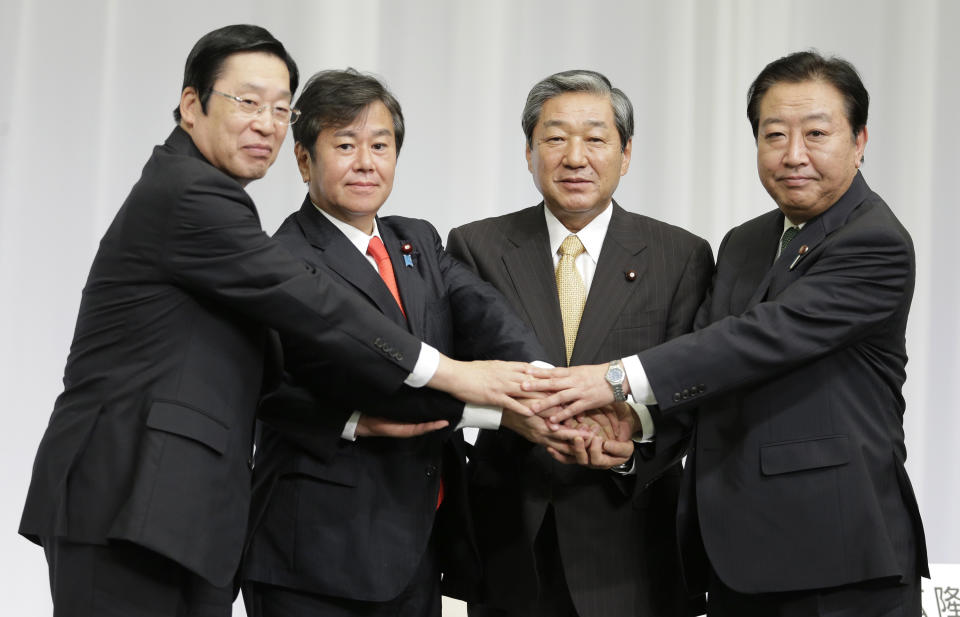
x: 379, y: 253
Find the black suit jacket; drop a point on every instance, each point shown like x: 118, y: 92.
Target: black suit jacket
x: 353, y: 519
x: 151, y: 438
x: 616, y: 533
x: 796, y: 370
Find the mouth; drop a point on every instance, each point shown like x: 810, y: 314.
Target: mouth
x: 795, y: 181
x: 362, y: 187
x: 575, y: 182
x: 258, y: 150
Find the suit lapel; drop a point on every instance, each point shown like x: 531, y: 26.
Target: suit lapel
x: 623, y: 251
x: 753, y: 275
x: 530, y: 267
x: 409, y: 281
x: 812, y: 234
x: 342, y: 257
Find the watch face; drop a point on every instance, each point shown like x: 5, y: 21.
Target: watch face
x: 615, y: 374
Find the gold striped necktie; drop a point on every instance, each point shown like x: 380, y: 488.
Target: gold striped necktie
x: 571, y: 290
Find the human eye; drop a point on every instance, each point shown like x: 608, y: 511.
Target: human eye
x: 344, y: 146
x: 250, y: 106
x: 281, y: 111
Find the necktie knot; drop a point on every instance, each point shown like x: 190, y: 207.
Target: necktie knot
x: 376, y: 249
x: 571, y: 246
x: 788, y: 234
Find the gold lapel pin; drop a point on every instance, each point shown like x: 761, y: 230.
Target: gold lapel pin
x: 800, y: 253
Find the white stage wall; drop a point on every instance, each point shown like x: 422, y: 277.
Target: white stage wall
x: 90, y: 85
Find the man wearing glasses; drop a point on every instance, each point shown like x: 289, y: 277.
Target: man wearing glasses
x: 141, y: 484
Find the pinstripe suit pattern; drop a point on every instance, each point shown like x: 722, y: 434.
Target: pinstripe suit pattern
x: 616, y: 534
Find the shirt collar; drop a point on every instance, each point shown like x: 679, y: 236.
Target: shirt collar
x: 787, y: 224
x: 354, y: 235
x: 591, y: 236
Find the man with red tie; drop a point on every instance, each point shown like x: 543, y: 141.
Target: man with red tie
x: 352, y: 524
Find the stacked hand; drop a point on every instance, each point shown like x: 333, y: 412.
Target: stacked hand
x: 610, y: 442
x: 570, y: 411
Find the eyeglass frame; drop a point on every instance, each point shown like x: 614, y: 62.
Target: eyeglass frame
x: 244, y: 105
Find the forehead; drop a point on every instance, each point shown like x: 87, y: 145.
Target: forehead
x: 787, y: 99
x: 375, y: 117
x: 255, y: 69
x: 576, y: 109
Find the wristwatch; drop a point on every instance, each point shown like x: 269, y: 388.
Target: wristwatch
x: 615, y: 377
x: 625, y: 467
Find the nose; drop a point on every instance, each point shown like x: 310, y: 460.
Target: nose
x: 796, y: 154
x: 363, y: 160
x: 263, y: 122
x: 576, y: 154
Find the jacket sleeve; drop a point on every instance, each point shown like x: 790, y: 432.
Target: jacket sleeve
x: 852, y: 284
x: 215, y: 248
x: 485, y: 325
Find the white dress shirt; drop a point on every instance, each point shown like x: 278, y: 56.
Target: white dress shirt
x: 479, y: 416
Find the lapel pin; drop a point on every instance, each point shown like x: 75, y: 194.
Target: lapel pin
x: 800, y: 253
x: 630, y: 275
x: 407, y: 249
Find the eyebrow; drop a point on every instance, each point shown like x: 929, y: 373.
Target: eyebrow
x: 260, y: 89
x: 552, y: 123
x: 351, y: 133
x: 823, y: 116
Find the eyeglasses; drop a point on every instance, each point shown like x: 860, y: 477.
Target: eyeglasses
x: 281, y: 115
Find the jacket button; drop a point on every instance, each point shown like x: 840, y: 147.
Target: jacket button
x: 431, y: 471
x: 676, y: 397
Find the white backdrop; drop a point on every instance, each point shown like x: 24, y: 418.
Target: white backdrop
x: 90, y: 85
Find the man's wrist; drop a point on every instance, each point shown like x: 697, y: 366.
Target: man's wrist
x: 426, y: 367
x: 626, y: 467
x: 615, y: 377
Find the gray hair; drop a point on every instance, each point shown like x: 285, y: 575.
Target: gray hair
x: 578, y: 81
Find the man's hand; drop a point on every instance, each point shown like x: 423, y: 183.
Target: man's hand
x: 597, y: 453
x: 370, y: 426
x: 612, y: 427
x: 488, y: 382
x: 534, y: 429
x: 617, y: 421
x: 576, y: 389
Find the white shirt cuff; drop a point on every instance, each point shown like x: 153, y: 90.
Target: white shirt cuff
x: 424, y: 369
x: 350, y: 428
x: 541, y: 364
x: 639, y: 385
x: 647, y: 430
x: 480, y: 416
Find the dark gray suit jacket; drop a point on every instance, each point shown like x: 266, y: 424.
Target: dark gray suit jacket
x: 150, y: 441
x: 354, y: 519
x: 796, y: 370
x: 616, y: 534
